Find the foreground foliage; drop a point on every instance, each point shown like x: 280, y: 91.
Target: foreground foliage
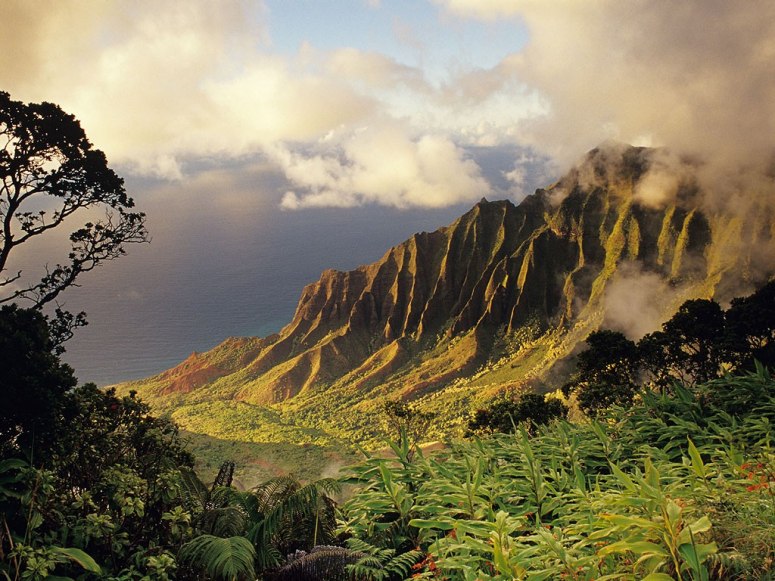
x: 676, y: 487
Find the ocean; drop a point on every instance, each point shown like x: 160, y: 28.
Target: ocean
x: 232, y: 264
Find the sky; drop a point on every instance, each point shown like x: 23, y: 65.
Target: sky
x: 384, y: 101
x: 310, y: 111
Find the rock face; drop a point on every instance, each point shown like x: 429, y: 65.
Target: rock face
x: 545, y: 263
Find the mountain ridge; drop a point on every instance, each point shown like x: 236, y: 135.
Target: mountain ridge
x: 492, y: 303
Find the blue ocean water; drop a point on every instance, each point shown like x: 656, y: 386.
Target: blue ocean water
x: 218, y: 266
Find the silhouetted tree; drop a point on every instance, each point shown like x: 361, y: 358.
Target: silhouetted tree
x: 751, y: 327
x: 606, y: 373
x: 504, y: 415
x: 33, y: 383
x: 690, y: 348
x: 49, y: 172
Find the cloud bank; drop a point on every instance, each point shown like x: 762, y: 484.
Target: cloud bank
x: 697, y: 76
x: 383, y: 164
x: 161, y: 85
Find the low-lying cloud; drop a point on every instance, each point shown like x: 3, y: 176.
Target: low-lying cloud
x: 382, y: 165
x: 637, y: 301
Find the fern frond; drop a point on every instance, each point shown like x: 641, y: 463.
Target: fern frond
x: 229, y: 521
x: 402, y: 564
x: 193, y: 492
x: 229, y: 559
x: 322, y: 562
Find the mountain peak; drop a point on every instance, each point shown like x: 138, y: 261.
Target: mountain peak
x: 495, y: 299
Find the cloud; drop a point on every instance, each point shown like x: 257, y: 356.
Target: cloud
x: 382, y: 164
x: 667, y: 173
x: 637, y: 302
x: 154, y: 84
x: 157, y: 85
x: 374, y: 70
x: 697, y: 76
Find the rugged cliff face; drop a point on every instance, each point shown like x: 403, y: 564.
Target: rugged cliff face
x: 497, y: 297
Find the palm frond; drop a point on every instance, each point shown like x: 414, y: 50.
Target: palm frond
x: 287, y: 510
x: 193, y: 492
x: 228, y: 521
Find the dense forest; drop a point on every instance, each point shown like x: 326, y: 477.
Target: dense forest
x: 666, y: 470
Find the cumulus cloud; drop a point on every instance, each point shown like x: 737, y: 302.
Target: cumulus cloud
x: 697, y: 76
x: 156, y: 83
x: 382, y: 164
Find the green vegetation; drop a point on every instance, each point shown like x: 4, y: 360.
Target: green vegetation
x: 678, y: 485
x: 699, y: 343
x: 505, y: 415
x: 674, y: 487
x: 671, y: 479
x: 98, y: 488
x: 93, y: 485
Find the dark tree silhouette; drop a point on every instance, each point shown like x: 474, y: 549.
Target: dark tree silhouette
x: 607, y: 372
x: 504, y: 415
x: 33, y: 382
x: 751, y: 327
x: 49, y: 172
x: 691, y: 346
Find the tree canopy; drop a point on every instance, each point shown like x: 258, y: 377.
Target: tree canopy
x: 506, y: 415
x: 697, y: 344
x: 49, y: 173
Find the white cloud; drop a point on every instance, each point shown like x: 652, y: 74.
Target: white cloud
x: 697, y: 76
x: 382, y: 164
x: 157, y: 84
x: 375, y: 70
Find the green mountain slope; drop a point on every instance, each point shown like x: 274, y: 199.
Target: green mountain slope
x: 494, y: 302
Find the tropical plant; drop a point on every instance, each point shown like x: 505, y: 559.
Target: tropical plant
x: 230, y: 559
x: 279, y: 519
x: 650, y: 491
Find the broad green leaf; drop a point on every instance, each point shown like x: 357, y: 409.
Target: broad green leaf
x: 637, y: 547
x: 623, y: 478
x: 80, y: 557
x: 630, y: 521
x: 701, y: 525
x: 421, y: 523
x: 698, y: 466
